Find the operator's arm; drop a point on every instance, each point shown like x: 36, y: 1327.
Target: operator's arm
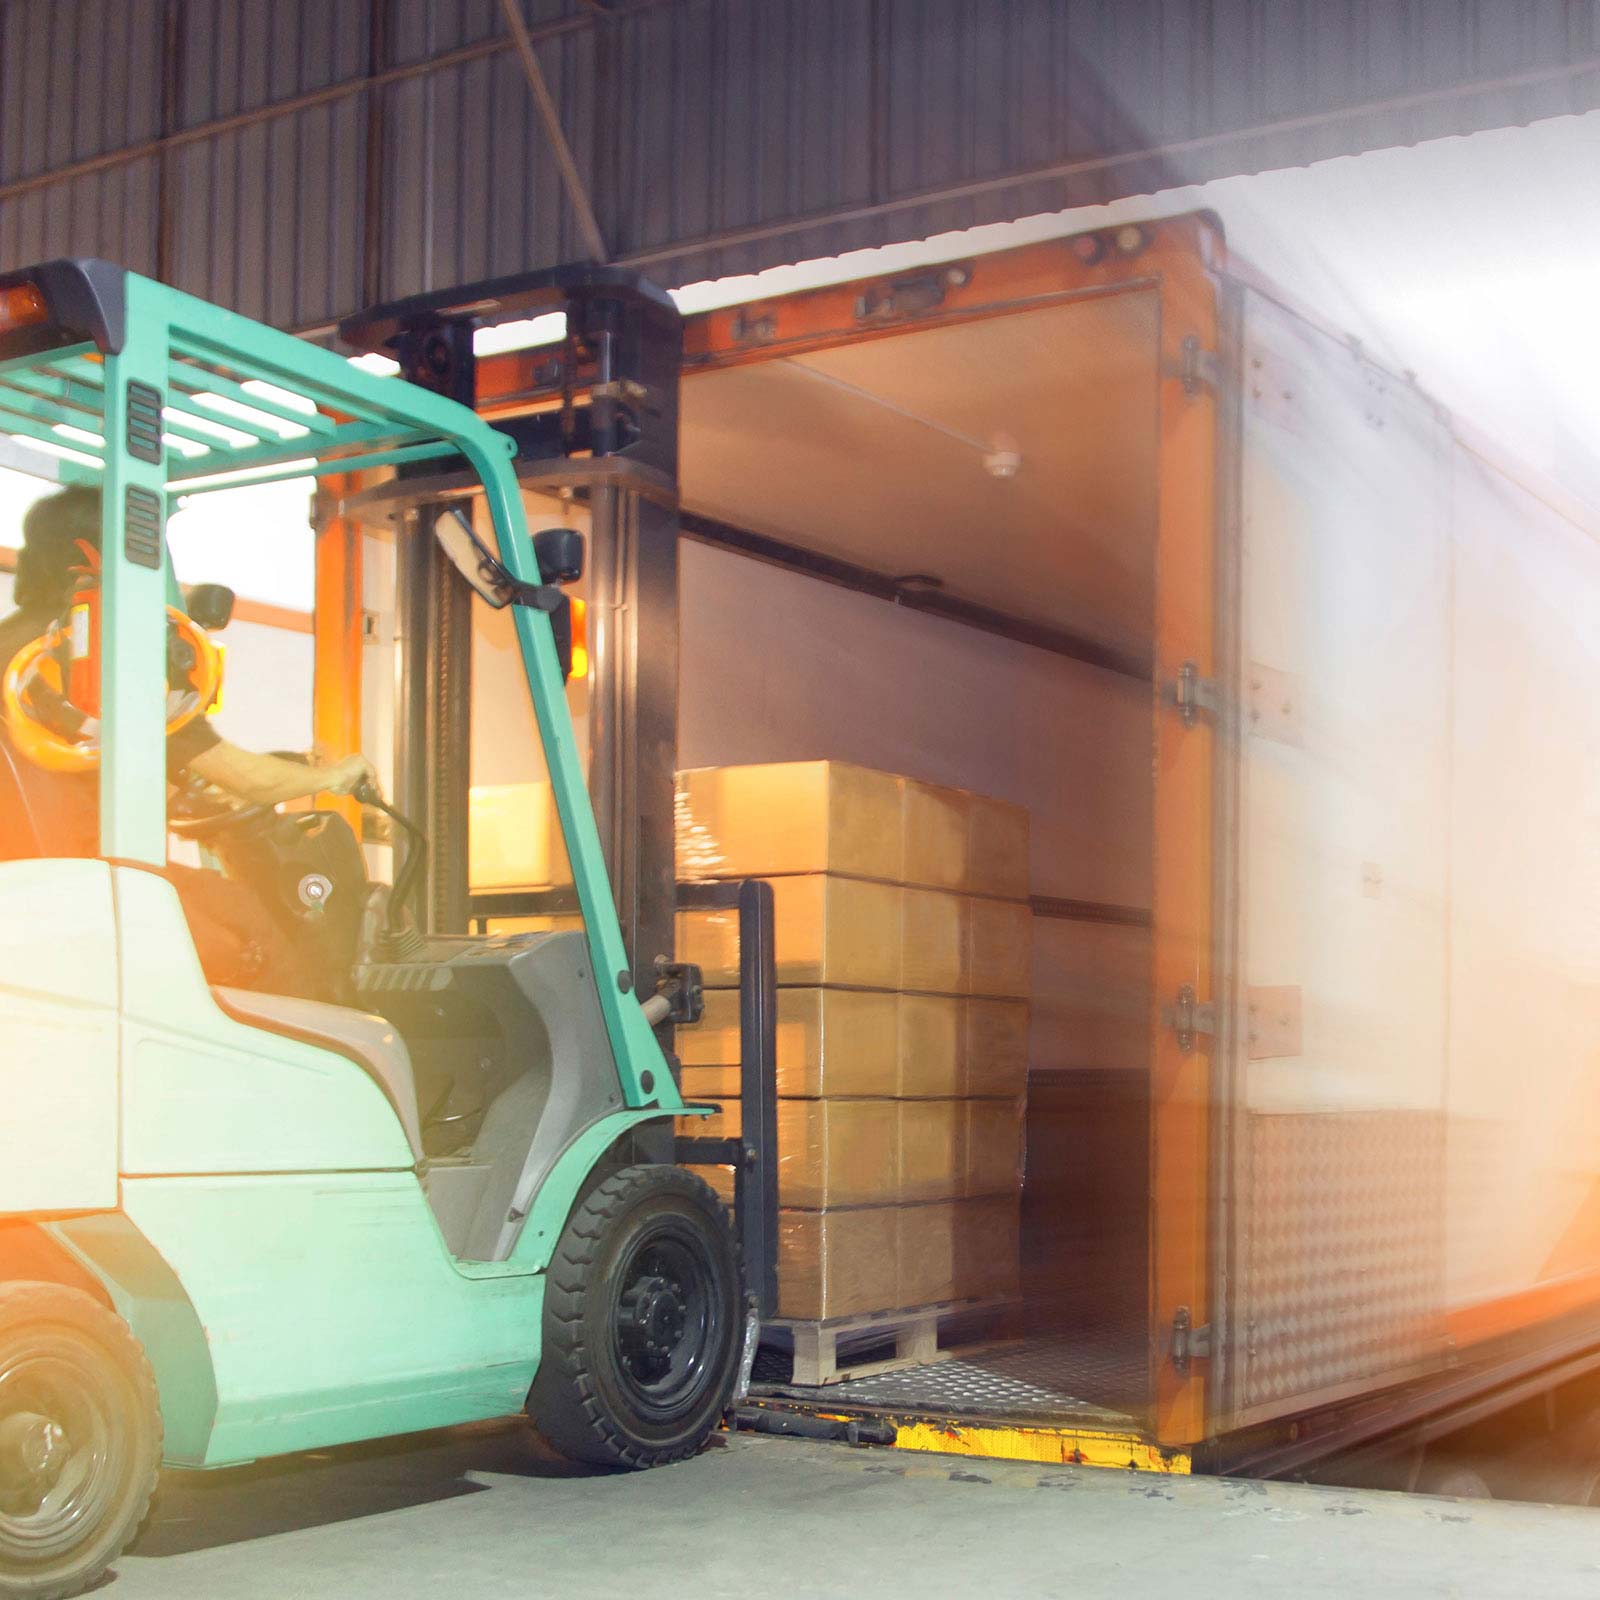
x: 263, y: 780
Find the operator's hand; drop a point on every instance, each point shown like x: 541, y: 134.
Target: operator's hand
x: 345, y: 777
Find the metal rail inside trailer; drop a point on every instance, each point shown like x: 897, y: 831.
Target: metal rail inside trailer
x: 1295, y: 680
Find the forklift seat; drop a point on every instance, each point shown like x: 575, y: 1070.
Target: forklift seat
x: 359, y: 1036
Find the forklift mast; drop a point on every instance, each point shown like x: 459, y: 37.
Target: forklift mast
x: 609, y: 439
x: 612, y: 443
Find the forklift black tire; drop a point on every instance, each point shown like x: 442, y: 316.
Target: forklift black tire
x: 80, y: 1440
x: 642, y: 1322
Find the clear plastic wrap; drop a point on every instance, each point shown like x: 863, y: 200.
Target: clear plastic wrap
x: 789, y: 817
x: 857, y: 934
x: 887, y: 1258
x: 796, y: 817
x: 839, y: 1043
x: 834, y: 1153
x: 995, y: 1061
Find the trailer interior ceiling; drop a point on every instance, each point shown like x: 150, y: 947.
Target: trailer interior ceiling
x: 881, y: 452
x: 891, y: 454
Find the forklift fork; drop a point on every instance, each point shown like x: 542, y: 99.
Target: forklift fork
x: 753, y: 1155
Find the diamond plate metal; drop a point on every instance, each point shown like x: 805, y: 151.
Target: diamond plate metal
x: 1054, y: 1379
x: 1341, y: 1253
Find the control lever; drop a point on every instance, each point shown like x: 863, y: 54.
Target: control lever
x: 367, y: 793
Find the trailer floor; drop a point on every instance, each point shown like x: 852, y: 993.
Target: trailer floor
x: 483, y: 1513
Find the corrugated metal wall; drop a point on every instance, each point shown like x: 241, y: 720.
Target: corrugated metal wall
x: 296, y: 158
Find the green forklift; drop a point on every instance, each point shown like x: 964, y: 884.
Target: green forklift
x: 228, y: 1229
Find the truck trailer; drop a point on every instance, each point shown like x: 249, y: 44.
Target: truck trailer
x: 1293, y: 675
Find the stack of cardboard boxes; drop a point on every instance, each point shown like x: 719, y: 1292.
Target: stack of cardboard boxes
x: 903, y: 953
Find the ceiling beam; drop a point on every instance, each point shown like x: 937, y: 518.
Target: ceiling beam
x: 550, y: 116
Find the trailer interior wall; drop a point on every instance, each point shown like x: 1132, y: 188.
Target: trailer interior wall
x: 780, y: 667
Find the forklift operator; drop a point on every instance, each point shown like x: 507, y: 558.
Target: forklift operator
x: 239, y: 942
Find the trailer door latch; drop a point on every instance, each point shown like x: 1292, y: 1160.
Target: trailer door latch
x: 1194, y: 695
x: 1189, y: 1017
x: 1189, y: 1343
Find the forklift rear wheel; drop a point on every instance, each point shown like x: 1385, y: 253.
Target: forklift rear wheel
x: 80, y: 1439
x: 641, y: 1322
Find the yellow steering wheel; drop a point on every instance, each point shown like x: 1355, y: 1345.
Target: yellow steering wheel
x: 46, y: 727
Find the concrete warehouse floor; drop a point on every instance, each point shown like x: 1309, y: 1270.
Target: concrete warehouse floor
x: 477, y: 1514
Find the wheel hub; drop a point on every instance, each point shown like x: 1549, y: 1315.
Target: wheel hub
x: 652, y: 1322
x: 34, y: 1450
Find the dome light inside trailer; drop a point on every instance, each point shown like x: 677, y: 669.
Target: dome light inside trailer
x: 1132, y: 239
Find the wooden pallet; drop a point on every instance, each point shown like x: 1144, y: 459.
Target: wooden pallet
x: 839, y: 1349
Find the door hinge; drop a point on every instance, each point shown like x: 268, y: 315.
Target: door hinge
x: 1189, y: 1017
x: 1194, y: 695
x: 1189, y: 1343
x: 1198, y: 369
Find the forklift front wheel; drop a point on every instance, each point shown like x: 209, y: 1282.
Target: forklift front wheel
x: 641, y: 1322
x: 80, y: 1439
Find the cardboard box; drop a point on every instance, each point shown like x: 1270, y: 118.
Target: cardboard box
x: 925, y: 1255
x: 857, y: 933
x: 934, y: 942
x: 932, y: 1136
x: 789, y: 817
x: 931, y: 1046
x: 938, y: 830
x: 720, y: 1179
x: 838, y: 1152
x: 999, y: 951
x: 882, y: 1258
x: 721, y: 1086
x: 991, y: 1147
x: 828, y: 930
x: 987, y: 1247
x: 830, y: 1042
x: 837, y: 1263
x: 873, y: 1152
x: 514, y: 838
x: 564, y: 922
x: 717, y: 1084
x: 871, y: 1044
x: 995, y: 1057
x: 957, y: 1250
x: 997, y: 849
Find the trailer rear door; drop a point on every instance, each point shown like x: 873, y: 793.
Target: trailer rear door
x: 1333, y: 1000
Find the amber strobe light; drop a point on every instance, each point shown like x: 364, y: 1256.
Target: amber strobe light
x: 21, y: 306
x: 580, y: 639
